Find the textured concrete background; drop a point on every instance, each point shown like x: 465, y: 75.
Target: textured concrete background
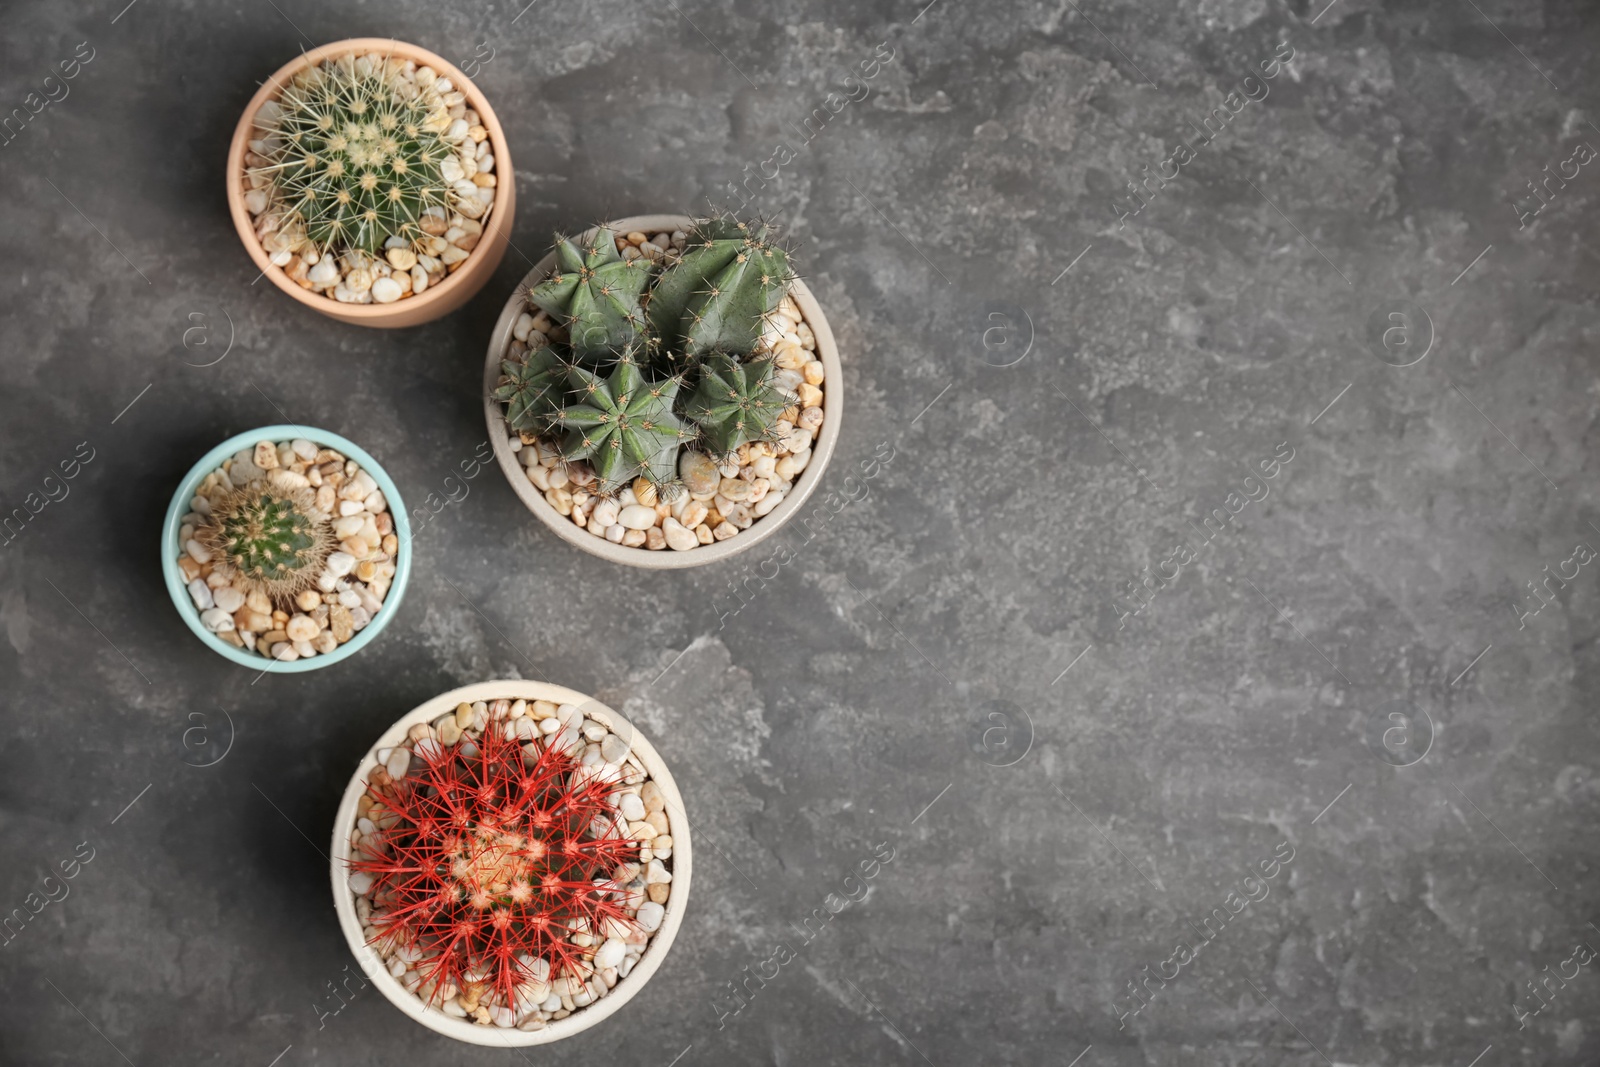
x: 1098, y: 782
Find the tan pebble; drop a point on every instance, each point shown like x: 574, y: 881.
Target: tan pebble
x: 308, y: 600
x: 273, y: 637
x: 654, y: 799
x: 542, y: 709
x: 661, y: 841
x: 724, y: 530
x: 325, y: 642
x: 642, y: 831
x: 658, y: 891
x: 356, y: 546
x: 713, y: 517
x: 814, y: 372
x: 232, y: 638
x: 266, y: 455
x: 302, y: 628
x: 340, y: 622
x: 391, y: 544
x: 633, y: 538
x: 449, y: 732
x: 789, y: 356
x: 704, y: 534
x: 478, y: 134
x: 811, y: 420
x: 561, y: 500
x: 464, y: 715
x: 810, y: 396
x: 637, y: 238
x: 644, y: 492
x: 654, y: 539
x: 326, y: 497
x: 190, y: 569
x: 694, y: 513
x: 420, y: 732
x: 658, y: 820
x: 254, y: 621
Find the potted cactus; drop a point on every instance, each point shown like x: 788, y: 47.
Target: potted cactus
x: 364, y: 181
x: 286, y: 548
x: 663, y: 391
x: 510, y: 863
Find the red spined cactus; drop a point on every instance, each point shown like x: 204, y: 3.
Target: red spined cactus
x: 489, y: 859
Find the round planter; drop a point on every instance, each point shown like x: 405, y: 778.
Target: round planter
x: 626, y: 988
x: 177, y: 588
x: 436, y: 300
x: 664, y: 559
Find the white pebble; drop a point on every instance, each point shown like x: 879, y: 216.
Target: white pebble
x: 613, y: 748
x: 385, y: 290
x: 398, y: 763
x: 637, y: 517
x: 610, y: 954
x: 200, y: 593
x: 361, y: 883
x: 216, y: 620
x: 679, y: 537
x: 228, y: 599
x: 341, y: 564
x: 650, y: 916
x: 197, y: 552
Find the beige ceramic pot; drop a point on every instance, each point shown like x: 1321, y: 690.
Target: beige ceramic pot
x: 436, y: 300
x: 663, y: 559
x: 344, y: 899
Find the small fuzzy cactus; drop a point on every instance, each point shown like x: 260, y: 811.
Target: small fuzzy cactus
x: 357, y: 155
x: 276, y: 539
x: 735, y: 402
x: 623, y: 425
x: 486, y: 857
x: 637, y: 329
x: 597, y: 292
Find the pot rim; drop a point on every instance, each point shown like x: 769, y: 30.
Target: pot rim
x: 626, y: 988
x: 667, y: 558
x: 372, y: 314
x: 178, y: 589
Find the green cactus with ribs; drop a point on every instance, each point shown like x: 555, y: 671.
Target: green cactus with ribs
x: 658, y: 354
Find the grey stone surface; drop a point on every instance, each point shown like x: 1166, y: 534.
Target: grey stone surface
x: 1154, y: 759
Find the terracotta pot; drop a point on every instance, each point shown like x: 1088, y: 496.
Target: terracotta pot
x: 437, y: 300
x: 579, y: 1021
x: 664, y: 559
